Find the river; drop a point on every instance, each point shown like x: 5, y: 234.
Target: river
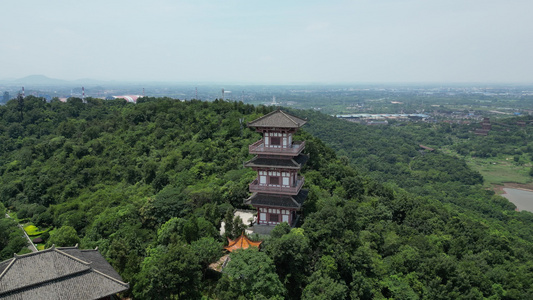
x: 521, y: 198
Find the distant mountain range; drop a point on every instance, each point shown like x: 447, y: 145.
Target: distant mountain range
x: 44, y: 80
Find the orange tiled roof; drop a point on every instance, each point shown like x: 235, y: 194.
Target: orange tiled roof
x: 242, y: 242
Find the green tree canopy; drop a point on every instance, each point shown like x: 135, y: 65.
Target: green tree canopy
x: 168, y: 273
x: 65, y: 236
x: 250, y: 274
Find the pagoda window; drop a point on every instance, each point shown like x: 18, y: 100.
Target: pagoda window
x: 274, y: 218
x: 286, y: 181
x: 274, y: 180
x: 276, y: 141
x: 285, y: 142
x: 262, y: 177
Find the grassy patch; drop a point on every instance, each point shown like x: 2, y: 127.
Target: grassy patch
x: 33, y: 230
x: 497, y: 170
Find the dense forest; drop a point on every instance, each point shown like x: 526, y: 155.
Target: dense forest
x: 149, y: 184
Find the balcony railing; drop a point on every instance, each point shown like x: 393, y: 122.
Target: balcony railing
x: 255, y: 187
x: 293, y: 150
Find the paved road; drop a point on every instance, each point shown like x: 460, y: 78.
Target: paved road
x: 31, y: 245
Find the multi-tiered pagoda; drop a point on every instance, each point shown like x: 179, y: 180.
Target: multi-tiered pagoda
x: 277, y: 191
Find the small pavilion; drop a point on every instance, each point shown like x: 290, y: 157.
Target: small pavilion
x: 242, y: 242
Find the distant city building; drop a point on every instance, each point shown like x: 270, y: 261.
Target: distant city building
x: 381, y: 119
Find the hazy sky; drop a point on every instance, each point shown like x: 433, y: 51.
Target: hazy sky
x: 269, y: 41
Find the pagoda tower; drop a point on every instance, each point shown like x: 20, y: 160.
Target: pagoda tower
x: 277, y: 192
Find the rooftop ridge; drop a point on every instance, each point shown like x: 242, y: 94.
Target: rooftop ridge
x: 88, y: 250
x: 74, y: 258
x: 8, y: 267
x: 292, y: 159
x: 71, y: 247
x: 264, y: 116
x: 295, y: 202
x: 291, y: 118
x: 288, y: 117
x: 33, y: 253
x: 126, y: 284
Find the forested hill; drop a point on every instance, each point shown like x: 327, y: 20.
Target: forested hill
x: 149, y: 184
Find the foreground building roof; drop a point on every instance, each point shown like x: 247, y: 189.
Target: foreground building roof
x: 242, y: 242
x: 279, y: 119
x: 59, y: 273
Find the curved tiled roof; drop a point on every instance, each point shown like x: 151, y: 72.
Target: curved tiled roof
x: 290, y: 163
x: 59, y: 273
x: 242, y: 242
x: 271, y: 200
x: 278, y: 118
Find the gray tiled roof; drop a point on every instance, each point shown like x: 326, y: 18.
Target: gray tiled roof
x: 260, y: 199
x: 4, y: 265
x: 97, y: 261
x: 57, y: 274
x: 279, y: 119
x: 291, y: 163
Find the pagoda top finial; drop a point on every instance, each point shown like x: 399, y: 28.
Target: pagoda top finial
x: 278, y: 118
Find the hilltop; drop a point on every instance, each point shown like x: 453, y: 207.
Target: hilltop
x: 149, y: 184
